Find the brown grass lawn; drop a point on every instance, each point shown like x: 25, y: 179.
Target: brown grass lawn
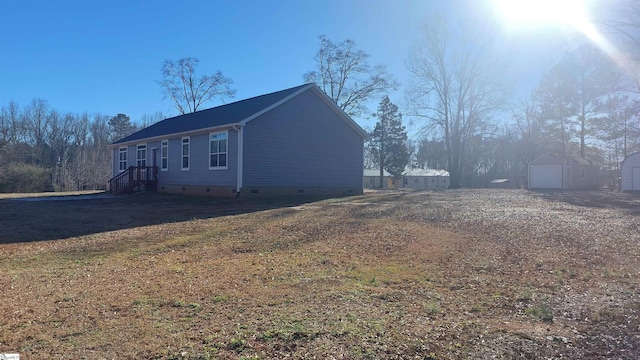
x: 475, y: 274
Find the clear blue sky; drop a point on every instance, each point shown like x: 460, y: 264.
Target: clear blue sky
x: 105, y: 56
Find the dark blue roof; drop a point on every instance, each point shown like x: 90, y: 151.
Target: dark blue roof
x: 218, y: 116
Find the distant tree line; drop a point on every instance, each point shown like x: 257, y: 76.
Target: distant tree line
x: 586, y: 105
x: 42, y: 149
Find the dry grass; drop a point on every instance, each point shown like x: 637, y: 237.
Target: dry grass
x: 48, y: 194
x: 427, y: 275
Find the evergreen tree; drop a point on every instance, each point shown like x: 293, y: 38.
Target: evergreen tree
x: 389, y: 140
x: 120, y: 126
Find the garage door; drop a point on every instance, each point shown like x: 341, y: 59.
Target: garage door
x: 635, y: 178
x: 546, y: 177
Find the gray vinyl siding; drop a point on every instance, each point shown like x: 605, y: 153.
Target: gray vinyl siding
x: 198, y: 173
x: 302, y: 142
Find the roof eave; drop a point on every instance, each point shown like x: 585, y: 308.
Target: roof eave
x: 629, y: 156
x: 174, y: 135
x: 243, y: 122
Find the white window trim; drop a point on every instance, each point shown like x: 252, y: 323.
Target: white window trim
x: 146, y: 154
x: 126, y: 155
x: 182, y: 156
x: 227, y: 153
x: 162, y: 145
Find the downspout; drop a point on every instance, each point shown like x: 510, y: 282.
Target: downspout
x: 239, y: 129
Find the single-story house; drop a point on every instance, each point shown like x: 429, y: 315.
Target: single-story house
x: 293, y: 141
x: 425, y: 179
x: 372, y: 179
x: 563, y: 172
x: 630, y: 173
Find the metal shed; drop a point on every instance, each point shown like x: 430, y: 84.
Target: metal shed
x: 630, y: 173
x: 425, y: 179
x: 372, y: 179
x: 563, y: 172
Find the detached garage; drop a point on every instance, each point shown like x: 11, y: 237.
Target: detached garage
x: 630, y: 173
x: 563, y: 172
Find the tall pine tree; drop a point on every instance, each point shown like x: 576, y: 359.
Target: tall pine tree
x: 389, y: 140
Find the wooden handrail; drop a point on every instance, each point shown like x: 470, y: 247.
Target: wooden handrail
x: 133, y: 176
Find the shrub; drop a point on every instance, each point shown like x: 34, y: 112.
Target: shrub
x: 22, y: 178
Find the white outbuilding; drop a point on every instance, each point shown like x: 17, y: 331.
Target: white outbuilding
x: 563, y: 172
x: 425, y: 179
x: 372, y: 179
x: 630, y: 173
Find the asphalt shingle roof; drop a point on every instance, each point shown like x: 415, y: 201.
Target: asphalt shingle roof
x: 218, y: 116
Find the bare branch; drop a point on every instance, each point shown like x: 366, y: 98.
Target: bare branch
x: 187, y: 92
x: 454, y: 88
x: 346, y: 77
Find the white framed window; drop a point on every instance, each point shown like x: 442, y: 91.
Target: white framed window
x: 141, y: 155
x: 186, y: 150
x: 122, y: 159
x: 218, y: 150
x: 164, y: 155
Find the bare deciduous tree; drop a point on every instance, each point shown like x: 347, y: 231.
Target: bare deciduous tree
x: 43, y: 150
x: 527, y: 131
x: 9, y: 124
x: 344, y: 74
x: 621, y: 18
x: 147, y: 120
x: 455, y: 87
x: 188, y: 92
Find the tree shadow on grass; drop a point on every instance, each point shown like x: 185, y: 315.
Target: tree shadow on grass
x: 626, y: 201
x: 27, y: 220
